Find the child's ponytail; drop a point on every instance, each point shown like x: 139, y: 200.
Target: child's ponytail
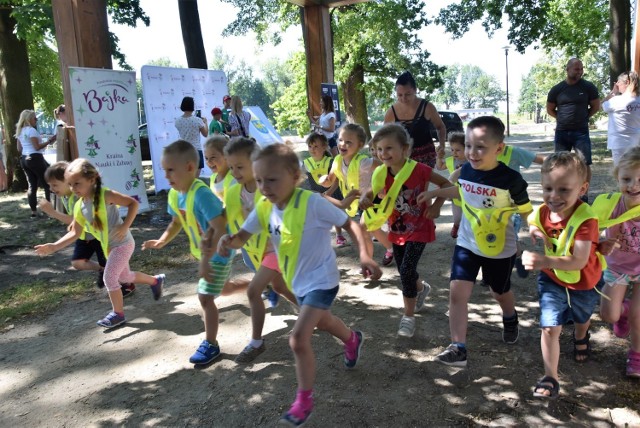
x: 96, y: 204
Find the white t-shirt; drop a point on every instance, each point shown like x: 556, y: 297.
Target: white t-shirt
x: 323, y: 121
x: 624, y: 121
x: 25, y: 137
x: 316, y: 268
x: 189, y: 129
x: 364, y: 177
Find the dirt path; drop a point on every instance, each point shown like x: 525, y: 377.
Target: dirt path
x: 61, y: 370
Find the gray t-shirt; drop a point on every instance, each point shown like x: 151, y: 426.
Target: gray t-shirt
x: 113, y: 219
x: 572, y: 103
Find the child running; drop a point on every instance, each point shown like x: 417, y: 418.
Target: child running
x: 317, y: 165
x: 257, y: 252
x: 488, y: 191
x: 352, y: 171
x: 86, y: 245
x: 221, y: 179
x: 299, y: 223
x: 411, y: 224
x: 196, y: 210
x: 453, y: 163
x: 570, y: 266
x: 97, y: 211
x: 619, y: 213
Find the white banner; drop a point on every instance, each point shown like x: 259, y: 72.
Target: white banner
x: 261, y: 129
x: 163, y: 90
x: 105, y: 109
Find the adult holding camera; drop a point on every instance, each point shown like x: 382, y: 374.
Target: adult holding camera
x: 325, y: 124
x: 190, y: 127
x: 415, y: 114
x: 622, y: 105
x: 32, y: 160
x: 239, y: 119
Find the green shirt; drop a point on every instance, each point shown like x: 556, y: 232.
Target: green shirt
x: 215, y: 127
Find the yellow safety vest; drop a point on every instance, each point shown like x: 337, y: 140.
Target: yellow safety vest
x: 351, y: 181
x: 489, y: 226
x: 69, y: 203
x: 293, y: 221
x: 256, y: 245
x: 505, y: 156
x: 562, y: 244
x: 450, y: 162
x: 318, y: 168
x: 377, y: 215
x: 101, y: 235
x: 604, y: 205
x: 226, y: 182
x: 190, y: 223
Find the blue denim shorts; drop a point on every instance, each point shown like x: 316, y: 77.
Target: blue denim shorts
x: 560, y: 305
x: 578, y: 140
x: 321, y: 299
x: 465, y: 266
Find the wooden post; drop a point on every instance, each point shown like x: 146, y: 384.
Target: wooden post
x: 82, y: 33
x: 316, y: 30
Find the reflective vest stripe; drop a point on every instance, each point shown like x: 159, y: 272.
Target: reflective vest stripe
x: 352, y: 181
x: 101, y: 235
x: 190, y: 223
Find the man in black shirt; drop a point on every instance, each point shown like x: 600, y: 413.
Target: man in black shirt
x: 572, y: 102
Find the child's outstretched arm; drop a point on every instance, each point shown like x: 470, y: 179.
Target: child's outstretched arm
x: 72, y: 235
x: 366, y: 200
x: 576, y: 261
x: 167, y: 236
x: 328, y: 181
x: 236, y: 241
x: 49, y: 210
x: 369, y: 267
x: 117, y: 198
x: 346, y: 201
x: 441, y: 165
x: 433, y: 211
x: 539, y: 158
x: 449, y: 192
x: 209, y: 245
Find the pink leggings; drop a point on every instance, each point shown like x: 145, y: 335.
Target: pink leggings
x: 117, y: 270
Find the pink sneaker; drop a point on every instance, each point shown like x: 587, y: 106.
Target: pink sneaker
x: 340, y: 241
x: 621, y: 328
x: 633, y: 364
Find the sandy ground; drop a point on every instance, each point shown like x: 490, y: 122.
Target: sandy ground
x: 59, y: 369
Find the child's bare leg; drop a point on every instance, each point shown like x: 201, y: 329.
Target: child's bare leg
x: 280, y: 287
x: 611, y: 309
x: 579, y: 334
x: 382, y: 238
x: 210, y: 317
x: 634, y: 318
x: 550, y: 345
x: 254, y: 292
x: 143, y: 278
x: 459, y: 295
x: 507, y: 302
x: 338, y: 230
x: 117, y: 302
x: 84, y: 264
x: 235, y: 285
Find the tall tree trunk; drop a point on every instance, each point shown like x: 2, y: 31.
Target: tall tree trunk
x: 192, y: 34
x: 619, y: 38
x: 15, y: 92
x: 354, y: 99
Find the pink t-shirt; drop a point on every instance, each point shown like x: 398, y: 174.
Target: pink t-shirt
x: 407, y: 221
x: 624, y: 259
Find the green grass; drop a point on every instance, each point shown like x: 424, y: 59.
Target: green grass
x: 37, y: 297
x: 599, y: 150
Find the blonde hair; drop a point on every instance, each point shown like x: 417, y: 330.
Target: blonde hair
x: 216, y: 142
x: 241, y: 145
x: 569, y: 160
x: 629, y: 160
x: 394, y: 131
x: 356, y: 129
x: 631, y: 79
x: 88, y: 171
x: 236, y: 104
x: 23, y: 121
x: 281, y: 154
x: 183, y: 150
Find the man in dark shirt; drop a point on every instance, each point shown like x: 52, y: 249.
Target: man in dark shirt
x: 572, y: 102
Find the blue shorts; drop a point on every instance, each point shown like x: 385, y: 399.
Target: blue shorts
x: 560, y: 305
x: 333, y: 141
x: 578, y: 140
x: 517, y: 223
x: 201, y: 162
x: 84, y: 250
x: 495, y: 272
x: 321, y: 299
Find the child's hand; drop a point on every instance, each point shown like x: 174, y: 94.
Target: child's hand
x: 533, y: 261
x: 152, y: 244
x: 370, y: 269
x: 350, y: 197
x: 120, y: 231
x: 606, y: 246
x: 45, y: 249
x: 365, y: 203
x: 205, y: 272
x: 432, y: 212
x: 424, y: 198
x: 223, y: 245
x: 324, y: 179
x: 538, y: 234
x: 45, y: 206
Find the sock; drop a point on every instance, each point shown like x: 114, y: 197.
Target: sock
x: 156, y: 280
x: 256, y: 343
x: 120, y: 314
x: 460, y: 346
x: 305, y: 399
x: 512, y: 317
x: 352, y: 339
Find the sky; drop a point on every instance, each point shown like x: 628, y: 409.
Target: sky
x: 163, y: 38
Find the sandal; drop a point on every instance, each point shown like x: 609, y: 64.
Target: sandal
x: 586, y: 353
x: 547, y: 384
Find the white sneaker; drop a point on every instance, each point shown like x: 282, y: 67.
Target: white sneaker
x: 407, y: 326
x: 422, y: 295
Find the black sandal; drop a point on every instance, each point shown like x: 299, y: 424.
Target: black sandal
x: 549, y: 384
x: 586, y: 353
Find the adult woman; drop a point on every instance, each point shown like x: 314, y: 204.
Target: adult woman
x: 325, y: 124
x: 623, y: 106
x: 32, y: 159
x: 190, y: 127
x: 238, y: 119
x: 415, y: 113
